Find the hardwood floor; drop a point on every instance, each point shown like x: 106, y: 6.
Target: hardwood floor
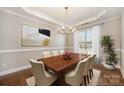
x: 16, y: 79
x: 106, y: 78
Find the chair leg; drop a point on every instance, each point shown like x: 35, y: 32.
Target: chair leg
x: 88, y: 79
x: 90, y: 74
x: 85, y: 82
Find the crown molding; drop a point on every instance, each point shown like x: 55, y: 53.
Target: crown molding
x: 48, y: 18
x: 78, y: 26
x: 24, y: 16
x: 91, y: 19
x: 97, y: 23
x: 41, y: 15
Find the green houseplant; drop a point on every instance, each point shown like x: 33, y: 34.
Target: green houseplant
x: 109, y: 48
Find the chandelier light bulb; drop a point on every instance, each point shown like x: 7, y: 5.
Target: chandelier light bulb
x: 63, y: 27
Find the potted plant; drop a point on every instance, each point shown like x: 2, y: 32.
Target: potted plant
x: 109, y: 49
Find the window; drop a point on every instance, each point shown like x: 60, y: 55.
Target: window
x: 85, y: 40
x: 88, y: 40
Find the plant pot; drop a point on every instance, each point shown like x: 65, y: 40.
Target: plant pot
x: 110, y: 67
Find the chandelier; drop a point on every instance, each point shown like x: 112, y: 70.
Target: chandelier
x: 66, y: 28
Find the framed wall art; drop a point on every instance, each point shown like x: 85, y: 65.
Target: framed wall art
x: 33, y: 36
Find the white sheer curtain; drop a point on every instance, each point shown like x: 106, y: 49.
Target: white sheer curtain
x: 76, y: 41
x: 96, y: 41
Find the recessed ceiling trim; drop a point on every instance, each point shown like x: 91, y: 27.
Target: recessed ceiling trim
x: 98, y: 22
x: 41, y: 15
x: 91, y: 19
x: 24, y: 16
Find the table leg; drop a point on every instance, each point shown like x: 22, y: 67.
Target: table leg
x: 61, y: 80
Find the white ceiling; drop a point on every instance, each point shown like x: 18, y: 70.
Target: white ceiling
x: 76, y: 15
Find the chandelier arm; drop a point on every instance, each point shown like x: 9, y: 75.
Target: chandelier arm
x: 66, y: 28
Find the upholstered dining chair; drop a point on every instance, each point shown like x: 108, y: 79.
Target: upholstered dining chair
x: 86, y: 70
x: 83, y: 52
x: 91, y: 65
x: 46, y: 54
x: 55, y: 52
x: 74, y: 77
x: 61, y: 52
x: 42, y: 77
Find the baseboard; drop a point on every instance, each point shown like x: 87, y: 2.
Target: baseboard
x: 14, y: 70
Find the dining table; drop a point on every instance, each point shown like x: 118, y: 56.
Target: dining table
x: 60, y: 66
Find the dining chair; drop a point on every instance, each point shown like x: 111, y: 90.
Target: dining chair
x: 61, y: 52
x: 46, y: 54
x: 91, y: 53
x: 74, y: 77
x: 83, y: 52
x: 42, y: 77
x: 91, y: 66
x: 86, y: 70
x: 55, y: 53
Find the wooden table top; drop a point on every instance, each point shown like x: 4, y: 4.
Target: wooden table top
x: 59, y: 65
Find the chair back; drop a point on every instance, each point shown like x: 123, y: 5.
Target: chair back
x: 93, y: 57
x: 76, y: 79
x: 61, y: 52
x: 87, y: 65
x: 38, y: 71
x: 91, y: 53
x: 55, y: 53
x: 83, y: 51
x: 46, y: 54
x: 80, y: 66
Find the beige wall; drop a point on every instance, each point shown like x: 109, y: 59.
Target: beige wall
x: 70, y: 40
x: 112, y: 28
x: 122, y: 44
x: 12, y: 54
